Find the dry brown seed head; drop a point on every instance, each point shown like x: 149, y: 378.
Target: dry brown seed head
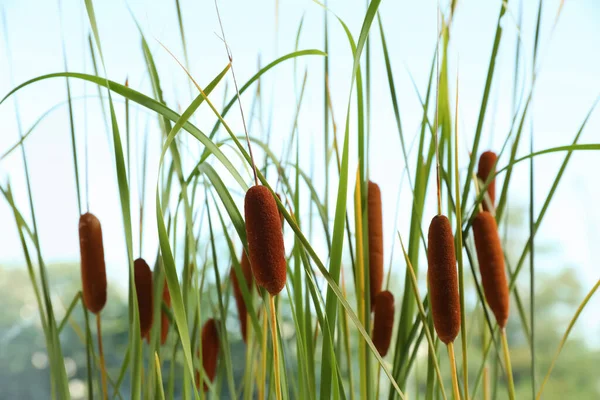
x: 491, y: 265
x: 164, y: 319
x: 375, y: 241
x: 265, y: 239
x: 210, y: 352
x: 93, y: 269
x: 383, y: 323
x: 442, y: 279
x: 143, y: 288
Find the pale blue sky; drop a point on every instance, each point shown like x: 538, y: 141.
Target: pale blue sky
x: 568, y: 84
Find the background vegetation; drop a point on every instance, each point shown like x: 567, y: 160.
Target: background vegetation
x: 170, y: 155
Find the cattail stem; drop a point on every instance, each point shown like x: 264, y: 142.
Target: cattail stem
x: 486, y: 383
x: 263, y: 375
x: 455, y: 389
x: 486, y: 370
x: 275, y: 349
x: 437, y: 112
x: 248, y: 374
x: 459, y: 240
x: 439, y: 189
x: 511, y: 383
x: 378, y: 377
x: 101, y: 351
x: 505, y: 349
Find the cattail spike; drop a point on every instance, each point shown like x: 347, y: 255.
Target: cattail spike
x: 491, y: 265
x: 237, y: 292
x: 143, y: 288
x: 375, y: 240
x: 93, y: 269
x: 442, y: 279
x: 210, y: 352
x: 265, y: 239
x: 164, y: 319
x: 487, y: 162
x: 383, y: 323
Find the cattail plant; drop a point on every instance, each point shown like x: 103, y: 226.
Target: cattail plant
x: 266, y: 254
x: 375, y: 241
x: 383, y: 323
x: 443, y: 287
x: 93, y: 269
x: 491, y: 265
x: 164, y: 319
x: 143, y: 288
x: 493, y: 277
x: 93, y: 277
x: 265, y: 239
x: 210, y: 352
x: 237, y: 292
x: 442, y: 279
x: 487, y: 166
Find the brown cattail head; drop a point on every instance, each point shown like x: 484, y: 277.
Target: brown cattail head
x: 487, y: 162
x: 265, y: 239
x: 210, y: 352
x: 442, y: 279
x: 237, y: 291
x: 491, y: 265
x: 383, y: 322
x: 164, y: 319
x: 143, y: 288
x: 93, y: 269
x: 375, y: 241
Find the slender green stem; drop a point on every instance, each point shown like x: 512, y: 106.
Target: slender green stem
x: 459, y: 254
x: 509, y: 375
x: 263, y: 369
x: 161, y: 392
x: 486, y: 383
x: 101, y: 353
x: 455, y: 388
x: 89, y: 349
x: 275, y: 349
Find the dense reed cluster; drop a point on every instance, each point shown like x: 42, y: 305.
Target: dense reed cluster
x: 266, y: 266
x: 338, y: 310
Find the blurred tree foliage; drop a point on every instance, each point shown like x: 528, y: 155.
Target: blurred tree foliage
x: 24, y: 372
